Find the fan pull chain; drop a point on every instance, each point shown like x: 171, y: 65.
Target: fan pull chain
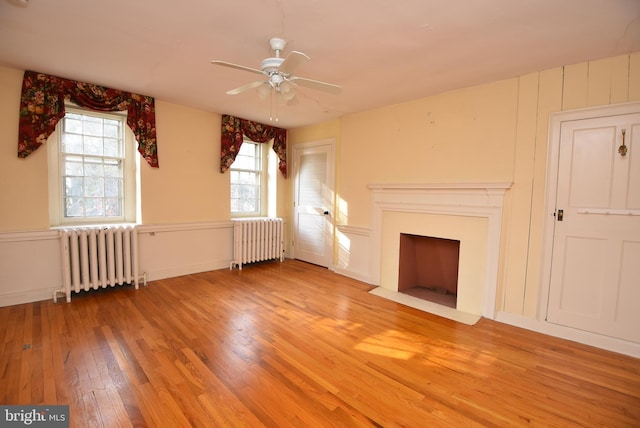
x: 273, y: 100
x: 271, y: 105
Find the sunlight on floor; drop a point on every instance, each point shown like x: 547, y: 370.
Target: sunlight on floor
x: 390, y: 343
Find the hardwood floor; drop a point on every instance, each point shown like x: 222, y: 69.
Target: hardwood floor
x: 292, y: 344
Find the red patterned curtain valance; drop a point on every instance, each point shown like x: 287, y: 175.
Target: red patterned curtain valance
x: 42, y: 106
x: 235, y: 129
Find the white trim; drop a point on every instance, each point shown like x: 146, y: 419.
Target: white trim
x: 330, y: 185
x: 131, y: 173
x: 484, y: 200
x: 439, y: 186
x: 152, y: 228
x: 40, y: 235
x: 351, y: 230
x: 604, y: 342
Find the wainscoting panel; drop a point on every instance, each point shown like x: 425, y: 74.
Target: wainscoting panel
x: 167, y: 251
x: 29, y: 266
x: 354, y: 253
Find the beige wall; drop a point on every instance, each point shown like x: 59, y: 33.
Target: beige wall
x: 23, y: 182
x: 187, y: 187
x: 489, y: 133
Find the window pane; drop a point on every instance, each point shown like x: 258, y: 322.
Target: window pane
x: 112, y: 207
x: 92, y: 126
x: 93, y: 146
x: 245, y: 179
x: 111, y: 147
x: 71, y: 143
x: 248, y: 149
x: 244, y: 162
x: 74, y: 207
x: 94, y: 207
x: 248, y: 178
x: 94, y: 168
x: 73, y: 186
x: 73, y: 124
x: 112, y: 168
x: 112, y: 187
x: 111, y: 128
x: 73, y: 165
x: 93, y: 184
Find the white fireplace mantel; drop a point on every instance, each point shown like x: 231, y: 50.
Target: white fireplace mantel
x: 484, y: 200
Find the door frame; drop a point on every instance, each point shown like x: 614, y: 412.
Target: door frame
x: 551, y: 185
x: 331, y: 179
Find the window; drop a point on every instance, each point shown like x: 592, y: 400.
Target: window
x: 92, y: 164
x: 248, y: 180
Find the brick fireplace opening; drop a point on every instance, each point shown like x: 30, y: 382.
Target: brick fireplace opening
x: 428, y: 268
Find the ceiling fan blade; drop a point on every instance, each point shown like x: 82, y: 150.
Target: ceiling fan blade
x: 293, y: 61
x: 244, y: 88
x: 236, y: 66
x: 316, y: 84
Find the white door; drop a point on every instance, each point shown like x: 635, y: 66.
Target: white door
x: 595, y: 270
x: 313, y: 202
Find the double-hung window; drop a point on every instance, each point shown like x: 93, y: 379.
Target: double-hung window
x: 248, y: 176
x: 92, y: 169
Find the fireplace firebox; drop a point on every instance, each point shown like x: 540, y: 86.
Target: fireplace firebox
x: 428, y: 268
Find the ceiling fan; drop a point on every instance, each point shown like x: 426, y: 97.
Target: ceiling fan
x: 279, y: 75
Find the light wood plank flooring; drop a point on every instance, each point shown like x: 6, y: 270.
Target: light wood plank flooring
x: 292, y: 344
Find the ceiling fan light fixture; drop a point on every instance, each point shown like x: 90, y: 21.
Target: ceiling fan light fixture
x: 264, y: 90
x: 286, y: 90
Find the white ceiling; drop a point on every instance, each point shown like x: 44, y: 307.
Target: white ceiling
x: 381, y: 52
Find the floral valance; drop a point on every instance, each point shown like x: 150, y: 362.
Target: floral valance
x: 42, y: 106
x: 235, y: 129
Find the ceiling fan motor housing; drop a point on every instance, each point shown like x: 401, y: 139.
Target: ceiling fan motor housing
x: 270, y: 65
x: 277, y: 45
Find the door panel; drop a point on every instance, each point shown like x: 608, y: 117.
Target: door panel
x: 595, y: 273
x: 573, y: 301
x: 591, y: 167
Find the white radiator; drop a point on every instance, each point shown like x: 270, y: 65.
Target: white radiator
x: 97, y: 257
x: 256, y: 240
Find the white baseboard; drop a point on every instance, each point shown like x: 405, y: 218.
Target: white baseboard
x: 30, y: 296
x: 351, y: 274
x: 604, y: 342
